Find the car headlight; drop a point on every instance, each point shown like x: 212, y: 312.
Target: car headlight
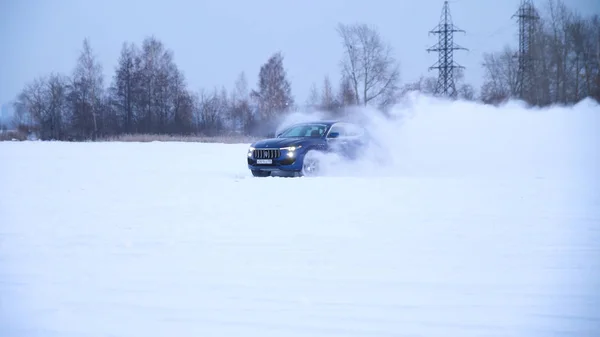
x: 290, y: 150
x: 250, y: 150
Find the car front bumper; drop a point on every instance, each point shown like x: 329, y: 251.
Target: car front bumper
x: 282, y: 164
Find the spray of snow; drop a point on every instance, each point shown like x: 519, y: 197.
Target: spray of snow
x: 423, y: 135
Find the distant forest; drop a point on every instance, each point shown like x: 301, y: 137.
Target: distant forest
x: 148, y: 93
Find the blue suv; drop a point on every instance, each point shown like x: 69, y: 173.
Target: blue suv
x: 295, y: 151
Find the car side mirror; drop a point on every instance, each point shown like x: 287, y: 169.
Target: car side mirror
x: 334, y: 135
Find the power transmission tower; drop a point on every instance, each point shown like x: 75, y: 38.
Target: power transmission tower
x: 526, y: 17
x: 445, y: 48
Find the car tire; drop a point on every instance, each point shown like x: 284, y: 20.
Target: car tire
x: 261, y: 173
x: 310, y: 164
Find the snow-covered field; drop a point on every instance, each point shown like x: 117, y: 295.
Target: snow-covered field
x: 485, y: 222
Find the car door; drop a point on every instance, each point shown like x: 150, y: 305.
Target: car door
x: 348, y: 140
x: 354, y: 139
x: 336, y: 139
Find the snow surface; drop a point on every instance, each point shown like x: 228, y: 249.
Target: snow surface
x: 485, y: 222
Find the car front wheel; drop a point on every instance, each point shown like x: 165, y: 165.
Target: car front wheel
x: 310, y: 164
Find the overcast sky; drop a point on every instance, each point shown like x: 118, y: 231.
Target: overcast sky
x: 214, y: 40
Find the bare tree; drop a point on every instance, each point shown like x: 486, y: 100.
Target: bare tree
x: 241, y: 113
x: 210, y: 112
x: 581, y: 42
x: 464, y: 90
x: 369, y: 64
x: 313, y: 96
x: 592, y: 58
x: 558, y: 21
x: 126, y: 87
x: 154, y: 67
x: 86, y: 93
x: 182, y: 104
x: 225, y: 107
x: 328, y: 100
x: 30, y: 105
x: 240, y: 89
x: 274, y: 93
x: 346, y: 94
x: 53, y: 122
x: 500, y: 76
x: 42, y: 107
x: 241, y: 86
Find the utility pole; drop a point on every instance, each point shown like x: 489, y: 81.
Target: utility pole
x: 445, y: 47
x: 526, y: 16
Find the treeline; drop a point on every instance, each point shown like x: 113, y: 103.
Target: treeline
x: 565, y: 55
x: 148, y: 93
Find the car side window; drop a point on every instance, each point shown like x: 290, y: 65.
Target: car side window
x: 310, y: 132
x: 338, y: 128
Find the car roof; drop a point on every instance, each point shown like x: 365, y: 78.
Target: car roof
x: 328, y: 122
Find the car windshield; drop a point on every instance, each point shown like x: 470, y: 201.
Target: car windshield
x: 304, y: 130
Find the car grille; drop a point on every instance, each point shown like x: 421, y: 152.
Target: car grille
x: 267, y: 153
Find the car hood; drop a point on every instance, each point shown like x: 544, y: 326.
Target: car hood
x: 277, y: 142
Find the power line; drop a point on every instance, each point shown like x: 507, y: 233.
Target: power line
x: 445, y: 47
